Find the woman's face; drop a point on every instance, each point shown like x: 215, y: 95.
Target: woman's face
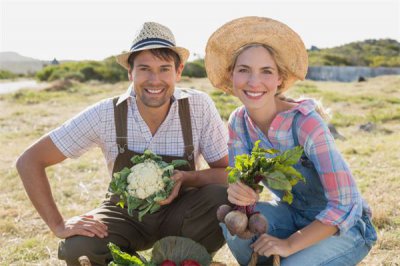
x: 255, y: 77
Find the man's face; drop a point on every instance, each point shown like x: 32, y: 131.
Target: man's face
x: 154, y: 79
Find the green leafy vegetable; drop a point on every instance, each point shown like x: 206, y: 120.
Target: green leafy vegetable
x: 277, y: 172
x: 146, y: 183
x: 121, y: 258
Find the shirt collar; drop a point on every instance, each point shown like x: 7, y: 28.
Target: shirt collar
x: 179, y: 93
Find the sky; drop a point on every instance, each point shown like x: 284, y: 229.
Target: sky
x: 96, y: 29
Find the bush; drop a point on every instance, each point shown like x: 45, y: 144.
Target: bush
x: 107, y: 70
x: 195, y: 69
x: 4, y: 74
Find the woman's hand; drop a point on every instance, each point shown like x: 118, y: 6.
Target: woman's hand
x: 84, y: 225
x: 267, y: 245
x: 178, y: 177
x: 241, y: 194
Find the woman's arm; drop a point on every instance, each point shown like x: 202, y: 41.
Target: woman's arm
x: 316, y: 231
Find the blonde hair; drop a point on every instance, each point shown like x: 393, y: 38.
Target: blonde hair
x: 282, y: 71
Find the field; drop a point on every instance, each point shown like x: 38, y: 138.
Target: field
x: 79, y: 185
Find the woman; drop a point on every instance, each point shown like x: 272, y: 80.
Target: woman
x: 328, y: 223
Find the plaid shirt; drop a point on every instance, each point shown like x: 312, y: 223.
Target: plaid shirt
x: 345, y: 204
x: 95, y: 127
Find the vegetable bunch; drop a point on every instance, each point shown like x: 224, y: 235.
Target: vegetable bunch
x: 143, y: 185
x: 277, y: 172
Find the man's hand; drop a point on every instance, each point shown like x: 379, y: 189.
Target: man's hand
x: 178, y: 178
x: 267, y: 245
x: 84, y: 225
x: 241, y: 194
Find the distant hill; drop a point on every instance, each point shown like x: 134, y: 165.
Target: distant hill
x: 372, y: 53
x: 19, y: 64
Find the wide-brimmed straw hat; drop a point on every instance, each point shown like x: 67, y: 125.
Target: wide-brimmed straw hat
x: 237, y: 33
x: 153, y: 35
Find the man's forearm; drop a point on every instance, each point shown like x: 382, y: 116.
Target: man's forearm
x: 204, y: 177
x: 38, y: 189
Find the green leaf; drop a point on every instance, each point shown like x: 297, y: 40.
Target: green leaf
x: 288, y: 197
x: 123, y: 258
x: 154, y: 208
x: 277, y: 180
x: 291, y: 156
x: 144, y: 211
x: 179, y: 163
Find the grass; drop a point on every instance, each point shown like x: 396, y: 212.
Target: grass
x: 79, y: 185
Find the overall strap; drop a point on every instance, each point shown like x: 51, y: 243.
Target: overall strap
x: 186, y: 124
x: 120, y: 118
x: 294, y: 128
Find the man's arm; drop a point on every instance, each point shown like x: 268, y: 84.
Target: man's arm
x: 216, y: 174
x: 31, y: 168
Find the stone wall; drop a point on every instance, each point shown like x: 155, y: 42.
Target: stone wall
x: 348, y: 73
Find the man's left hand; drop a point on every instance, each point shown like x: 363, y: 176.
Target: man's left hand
x: 178, y: 178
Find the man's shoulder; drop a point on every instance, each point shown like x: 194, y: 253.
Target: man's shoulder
x: 195, y: 97
x: 181, y: 93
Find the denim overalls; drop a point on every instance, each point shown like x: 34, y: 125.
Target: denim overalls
x: 308, y: 201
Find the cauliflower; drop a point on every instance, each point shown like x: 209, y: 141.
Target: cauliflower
x: 145, y: 179
x: 143, y: 185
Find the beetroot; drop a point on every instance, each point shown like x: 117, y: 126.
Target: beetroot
x: 236, y: 222
x: 189, y: 263
x: 246, y: 234
x: 258, y: 224
x: 168, y: 263
x: 222, y: 211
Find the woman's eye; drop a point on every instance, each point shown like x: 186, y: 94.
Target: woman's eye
x: 243, y: 70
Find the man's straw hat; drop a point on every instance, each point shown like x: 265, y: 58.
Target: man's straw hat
x: 152, y: 35
x: 239, y: 32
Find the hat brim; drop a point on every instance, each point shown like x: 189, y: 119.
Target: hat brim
x: 122, y: 59
x: 226, y: 40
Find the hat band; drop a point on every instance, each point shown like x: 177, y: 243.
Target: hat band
x: 151, y: 41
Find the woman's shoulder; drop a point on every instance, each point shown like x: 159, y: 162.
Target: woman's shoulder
x: 237, y: 115
x: 309, y: 120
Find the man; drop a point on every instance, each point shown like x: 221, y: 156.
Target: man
x: 153, y: 115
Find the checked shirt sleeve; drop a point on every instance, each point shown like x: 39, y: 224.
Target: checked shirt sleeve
x: 344, y: 205
x: 79, y: 134
x: 237, y: 143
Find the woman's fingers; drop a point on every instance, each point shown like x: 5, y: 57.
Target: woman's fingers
x: 242, y: 195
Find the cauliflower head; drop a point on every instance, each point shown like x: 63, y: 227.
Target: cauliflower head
x: 145, y: 179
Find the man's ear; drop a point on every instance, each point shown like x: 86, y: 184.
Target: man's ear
x: 179, y: 73
x: 130, y: 76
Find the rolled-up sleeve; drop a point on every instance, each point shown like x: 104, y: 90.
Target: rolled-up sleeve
x: 79, y: 134
x: 344, y: 205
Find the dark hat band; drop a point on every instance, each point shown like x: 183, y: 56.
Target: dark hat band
x: 151, y: 41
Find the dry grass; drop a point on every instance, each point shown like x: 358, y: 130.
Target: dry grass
x: 79, y: 185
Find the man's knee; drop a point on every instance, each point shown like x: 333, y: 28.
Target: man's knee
x: 74, y: 247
